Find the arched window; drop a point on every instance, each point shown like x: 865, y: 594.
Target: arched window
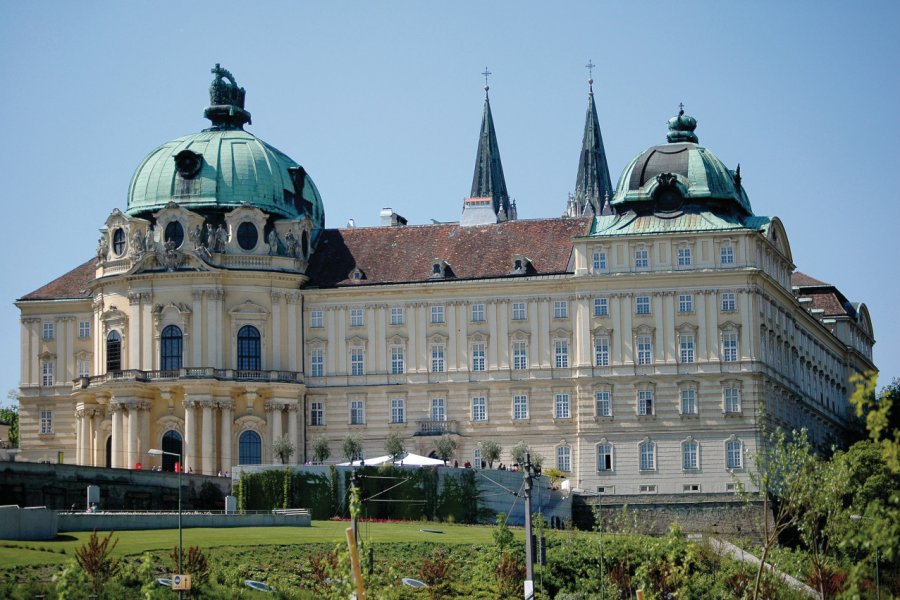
x: 249, y: 448
x: 248, y: 349
x: 171, y: 442
x: 170, y: 349
x: 113, y: 351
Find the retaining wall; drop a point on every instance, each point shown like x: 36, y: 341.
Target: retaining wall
x: 27, y: 523
x: 134, y: 521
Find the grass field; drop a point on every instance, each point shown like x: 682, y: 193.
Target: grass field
x: 16, y: 553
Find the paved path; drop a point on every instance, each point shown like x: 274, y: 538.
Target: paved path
x: 723, y: 548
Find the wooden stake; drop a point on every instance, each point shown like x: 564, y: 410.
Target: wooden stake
x: 354, y: 565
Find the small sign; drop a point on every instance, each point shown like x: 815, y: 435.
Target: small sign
x: 181, y: 582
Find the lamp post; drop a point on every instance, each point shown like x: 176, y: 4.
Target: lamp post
x: 158, y: 452
x: 877, y: 578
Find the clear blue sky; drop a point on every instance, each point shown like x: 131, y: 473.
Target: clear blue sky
x: 381, y: 102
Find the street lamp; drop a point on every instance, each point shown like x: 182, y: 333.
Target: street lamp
x: 158, y: 452
x: 877, y: 579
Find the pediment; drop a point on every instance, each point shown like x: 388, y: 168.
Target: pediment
x: 248, y: 309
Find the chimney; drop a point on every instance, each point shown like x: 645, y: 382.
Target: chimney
x: 391, y: 219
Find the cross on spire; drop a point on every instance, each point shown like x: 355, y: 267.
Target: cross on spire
x: 486, y: 74
x: 681, y: 108
x: 590, y: 67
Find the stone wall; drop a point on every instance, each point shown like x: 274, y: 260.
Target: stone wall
x: 132, y: 521
x: 27, y: 523
x: 62, y: 486
x: 725, y: 515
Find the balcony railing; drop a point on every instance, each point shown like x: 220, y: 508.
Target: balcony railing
x: 136, y: 375
x: 432, y: 427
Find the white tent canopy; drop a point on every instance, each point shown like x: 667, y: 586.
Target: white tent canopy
x: 408, y: 460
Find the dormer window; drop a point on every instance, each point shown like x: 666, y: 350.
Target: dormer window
x: 440, y: 269
x: 521, y: 265
x: 118, y: 242
x: 174, y: 233
x: 357, y: 274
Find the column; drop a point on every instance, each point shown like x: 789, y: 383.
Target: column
x: 413, y: 348
x: 134, y: 428
x: 35, y: 349
x: 275, y: 361
x: 702, y: 355
x: 669, y: 328
x: 197, y: 330
x: 494, y: 340
x: 225, y: 407
x: 544, y: 341
x: 189, y: 449
x: 79, y: 436
x: 618, y: 335
x: 581, y: 332
x: 627, y: 329
x: 292, y: 432
x: 84, y: 436
x: 93, y: 426
x: 294, y: 309
x: 132, y: 358
x: 148, y: 355
x: 746, y: 328
x: 659, y: 344
x: 452, y: 353
x: 460, y: 310
x: 712, y: 329
x: 534, y: 357
x: 143, y: 409
x: 208, y: 438
x: 275, y: 409
x: 117, y: 451
x: 502, y: 335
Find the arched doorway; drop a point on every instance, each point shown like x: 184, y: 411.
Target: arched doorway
x: 109, y: 452
x: 171, y: 442
x: 249, y: 448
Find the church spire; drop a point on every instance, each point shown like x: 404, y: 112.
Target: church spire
x: 488, y: 183
x: 593, y: 187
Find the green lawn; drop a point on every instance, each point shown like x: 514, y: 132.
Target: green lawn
x: 15, y: 553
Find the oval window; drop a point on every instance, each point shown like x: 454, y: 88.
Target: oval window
x: 247, y: 235
x: 119, y: 241
x: 174, y: 233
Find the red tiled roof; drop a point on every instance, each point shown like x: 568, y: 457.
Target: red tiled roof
x: 405, y: 254
x: 73, y: 284
x: 799, y: 279
x: 828, y: 302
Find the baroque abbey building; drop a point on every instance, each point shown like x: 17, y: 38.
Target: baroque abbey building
x: 641, y: 343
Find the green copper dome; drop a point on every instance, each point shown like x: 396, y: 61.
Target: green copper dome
x: 667, y: 175
x: 224, y: 167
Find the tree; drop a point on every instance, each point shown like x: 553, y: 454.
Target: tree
x: 283, y: 448
x: 518, y: 453
x: 395, y: 446
x: 10, y: 416
x: 445, y: 447
x: 490, y: 451
x: 882, y: 415
x: 321, y: 450
x: 352, y: 448
x: 95, y: 559
x: 780, y: 475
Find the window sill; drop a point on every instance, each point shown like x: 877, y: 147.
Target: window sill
x: 562, y: 419
x: 690, y: 415
x: 651, y: 417
x: 603, y: 418
x: 480, y: 423
x: 521, y: 422
x: 46, y: 436
x: 397, y: 425
x: 732, y: 415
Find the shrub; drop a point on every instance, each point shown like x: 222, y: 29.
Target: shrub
x: 95, y: 559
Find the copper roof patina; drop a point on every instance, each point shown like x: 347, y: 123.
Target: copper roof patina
x: 689, y: 220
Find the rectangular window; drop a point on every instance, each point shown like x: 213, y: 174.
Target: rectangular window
x: 317, y: 319
x: 729, y: 304
x: 478, y: 363
x: 357, y: 412
x: 642, y: 305
x: 733, y: 454
x: 564, y: 458
x: 479, y: 408
x: 520, y: 355
x: 599, y: 262
x: 689, y: 401
x: 684, y: 256
x: 561, y: 407
x: 84, y: 329
x: 518, y: 311
x: 645, y: 402
x: 603, y: 404
x: 396, y: 315
x: 46, y: 422
x: 357, y: 361
x: 601, y: 351
x: 84, y: 368
x: 437, y: 358
x: 560, y: 309
x: 561, y: 354
x: 438, y: 409
x: 356, y: 317
x: 686, y: 348
x: 317, y: 362
x: 726, y: 255
x: 317, y: 414
x: 478, y: 312
x: 732, y: 400
x: 604, y: 457
x: 686, y: 303
x: 689, y: 452
x: 437, y: 314
x: 601, y: 307
x: 644, y: 350
x: 398, y: 364
x: 730, y: 346
x: 47, y: 373
x: 520, y: 406
x: 48, y: 332
x: 648, y: 457
x: 641, y: 258
x: 398, y: 410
